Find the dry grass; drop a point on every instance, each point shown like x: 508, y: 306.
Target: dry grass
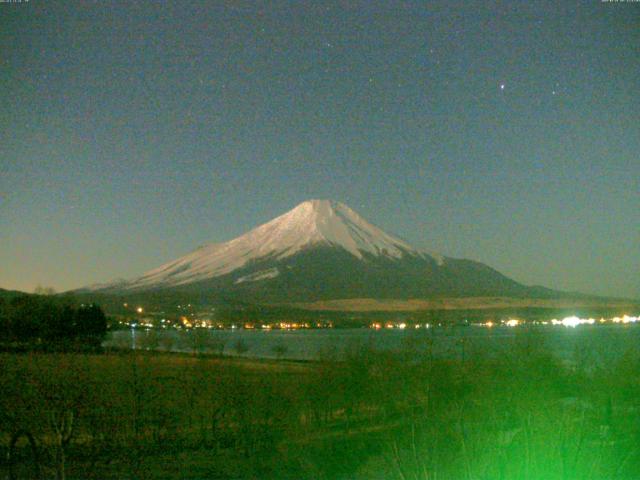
x: 392, y: 305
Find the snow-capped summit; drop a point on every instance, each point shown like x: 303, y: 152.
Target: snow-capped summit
x: 326, y: 221
x: 311, y: 223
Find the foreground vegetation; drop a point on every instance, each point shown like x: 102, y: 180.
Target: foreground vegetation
x: 397, y: 415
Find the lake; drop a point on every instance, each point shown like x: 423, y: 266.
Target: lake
x: 586, y: 343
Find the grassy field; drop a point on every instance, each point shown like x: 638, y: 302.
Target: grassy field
x: 412, y: 305
x: 396, y: 415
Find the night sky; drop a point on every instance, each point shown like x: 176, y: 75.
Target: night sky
x: 133, y: 132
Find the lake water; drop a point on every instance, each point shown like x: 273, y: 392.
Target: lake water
x: 585, y: 343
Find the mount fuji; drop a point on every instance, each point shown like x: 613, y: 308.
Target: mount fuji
x: 320, y: 250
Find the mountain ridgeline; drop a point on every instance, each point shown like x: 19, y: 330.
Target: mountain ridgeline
x: 320, y: 250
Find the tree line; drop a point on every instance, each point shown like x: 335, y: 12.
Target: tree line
x: 28, y: 320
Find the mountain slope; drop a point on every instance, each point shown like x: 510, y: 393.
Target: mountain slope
x: 319, y: 250
x: 312, y: 223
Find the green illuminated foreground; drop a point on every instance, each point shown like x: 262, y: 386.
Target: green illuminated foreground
x: 400, y: 415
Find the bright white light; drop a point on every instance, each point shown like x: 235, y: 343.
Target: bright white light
x: 512, y: 322
x: 402, y: 326
x: 139, y: 310
x: 573, y: 321
x: 626, y: 319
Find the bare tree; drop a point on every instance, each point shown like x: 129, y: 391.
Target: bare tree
x: 150, y: 340
x: 40, y: 290
x: 280, y: 349
x: 167, y: 340
x: 240, y: 347
x: 218, y: 343
x: 200, y: 341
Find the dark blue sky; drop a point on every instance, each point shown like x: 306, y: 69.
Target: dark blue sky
x: 506, y: 132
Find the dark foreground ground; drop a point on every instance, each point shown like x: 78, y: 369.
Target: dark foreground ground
x: 393, y: 415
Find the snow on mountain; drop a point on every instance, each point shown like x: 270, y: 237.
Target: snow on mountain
x: 113, y: 284
x: 259, y: 275
x: 313, y: 222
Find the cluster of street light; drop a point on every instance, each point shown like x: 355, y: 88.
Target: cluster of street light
x: 571, y: 321
x: 186, y: 322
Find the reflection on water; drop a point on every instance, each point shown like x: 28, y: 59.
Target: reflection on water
x: 588, y: 343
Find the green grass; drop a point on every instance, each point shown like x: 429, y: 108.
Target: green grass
x: 395, y: 415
